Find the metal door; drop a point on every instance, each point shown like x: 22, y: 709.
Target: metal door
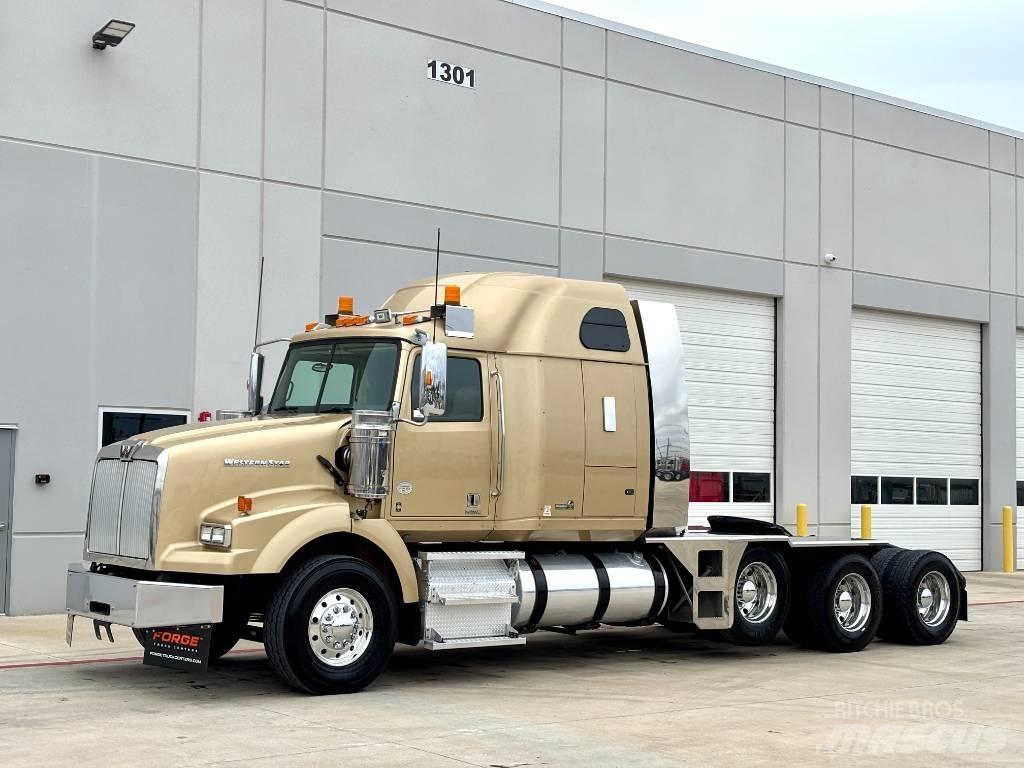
x: 6, y: 509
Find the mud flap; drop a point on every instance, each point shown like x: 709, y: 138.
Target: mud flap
x: 185, y: 648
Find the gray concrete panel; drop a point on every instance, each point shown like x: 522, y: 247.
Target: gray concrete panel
x: 796, y: 421
x: 836, y: 111
x: 139, y: 99
x: 632, y: 60
x: 911, y: 296
x: 834, y: 405
x: 293, y: 116
x: 39, y: 566
x: 583, y: 47
x: 145, y: 284
x: 227, y: 283
x: 693, y: 174
x: 837, y: 198
x: 400, y: 135
x: 344, y: 264
x: 583, y: 144
x: 802, y: 199
x: 582, y: 255
x: 231, y: 129
x: 291, y: 270
x: 690, y: 266
x: 803, y: 103
x: 920, y: 217
x: 1019, y: 207
x: 360, y: 218
x: 1002, y: 233
x: 46, y: 196
x: 503, y: 27
x: 998, y: 425
x: 909, y: 129
x: 1020, y: 313
x: 1020, y: 157
x: 1001, y: 152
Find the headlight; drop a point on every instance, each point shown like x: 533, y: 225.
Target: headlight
x: 215, y: 535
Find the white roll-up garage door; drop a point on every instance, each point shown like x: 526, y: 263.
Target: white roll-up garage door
x: 1020, y: 448
x: 729, y: 347
x: 916, y: 432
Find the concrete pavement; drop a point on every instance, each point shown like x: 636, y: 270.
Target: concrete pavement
x: 614, y: 697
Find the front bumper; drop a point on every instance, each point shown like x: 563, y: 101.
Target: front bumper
x: 141, y: 604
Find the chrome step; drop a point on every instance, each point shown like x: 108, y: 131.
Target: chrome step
x: 473, y: 642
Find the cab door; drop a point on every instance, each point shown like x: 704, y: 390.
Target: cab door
x: 442, y: 469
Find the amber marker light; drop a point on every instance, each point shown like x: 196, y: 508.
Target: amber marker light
x: 311, y: 326
x: 452, y: 294
x: 345, y: 305
x: 244, y: 505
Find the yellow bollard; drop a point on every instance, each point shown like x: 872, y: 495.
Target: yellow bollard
x: 865, y: 521
x: 801, y: 519
x: 1008, y: 539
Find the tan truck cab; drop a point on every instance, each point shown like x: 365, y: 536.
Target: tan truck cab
x: 461, y: 473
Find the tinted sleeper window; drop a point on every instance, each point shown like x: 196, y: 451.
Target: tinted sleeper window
x: 604, y: 329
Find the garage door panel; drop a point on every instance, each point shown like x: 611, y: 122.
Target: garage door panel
x: 1020, y: 443
x: 916, y: 412
x: 729, y: 352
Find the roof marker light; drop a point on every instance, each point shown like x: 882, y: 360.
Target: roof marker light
x: 346, y: 305
x: 452, y: 294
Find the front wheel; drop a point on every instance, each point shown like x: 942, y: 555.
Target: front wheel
x: 760, y: 599
x: 331, y: 625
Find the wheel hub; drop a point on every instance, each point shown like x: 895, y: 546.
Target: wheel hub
x: 757, y: 592
x: 340, y: 626
x: 934, y: 598
x: 851, y: 602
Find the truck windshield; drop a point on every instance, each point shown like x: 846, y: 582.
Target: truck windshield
x: 337, y: 377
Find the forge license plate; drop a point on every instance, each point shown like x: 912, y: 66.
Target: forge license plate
x: 178, y: 647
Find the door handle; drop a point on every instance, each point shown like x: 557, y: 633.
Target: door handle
x: 501, y: 434
x: 3, y: 527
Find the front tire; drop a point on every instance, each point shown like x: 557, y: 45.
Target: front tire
x: 842, y: 606
x: 331, y: 625
x: 922, y: 598
x: 761, y: 598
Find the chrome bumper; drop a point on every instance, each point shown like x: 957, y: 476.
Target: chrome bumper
x: 140, y: 604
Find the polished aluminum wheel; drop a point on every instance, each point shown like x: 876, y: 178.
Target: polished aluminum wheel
x: 933, y: 599
x: 340, y: 627
x: 757, y: 593
x: 852, y: 602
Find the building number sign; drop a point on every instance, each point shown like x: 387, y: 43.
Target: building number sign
x: 451, y: 73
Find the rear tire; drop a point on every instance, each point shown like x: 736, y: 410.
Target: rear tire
x: 331, y: 625
x: 880, y: 562
x: 842, y: 606
x: 922, y: 598
x: 760, y: 598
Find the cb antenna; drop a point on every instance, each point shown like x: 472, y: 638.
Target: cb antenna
x: 437, y: 273
x: 259, y: 304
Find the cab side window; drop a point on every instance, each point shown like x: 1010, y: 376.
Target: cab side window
x: 465, y: 397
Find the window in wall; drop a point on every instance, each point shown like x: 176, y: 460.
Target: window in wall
x: 709, y: 486
x: 464, y: 399
x: 1020, y: 493
x: 964, y: 491
x: 897, y: 490
x: 604, y: 329
x: 932, y: 490
x: 864, y: 489
x: 751, y: 487
x: 120, y: 425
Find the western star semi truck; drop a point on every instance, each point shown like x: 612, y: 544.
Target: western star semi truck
x: 462, y: 473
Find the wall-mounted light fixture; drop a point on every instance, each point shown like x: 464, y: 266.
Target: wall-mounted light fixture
x: 113, y: 32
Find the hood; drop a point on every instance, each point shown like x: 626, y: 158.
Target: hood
x: 238, y: 428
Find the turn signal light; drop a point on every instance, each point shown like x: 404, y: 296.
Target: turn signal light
x: 345, y: 305
x: 244, y: 504
x: 452, y: 294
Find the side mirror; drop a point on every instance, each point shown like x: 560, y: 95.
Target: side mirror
x: 433, y: 377
x: 255, y: 385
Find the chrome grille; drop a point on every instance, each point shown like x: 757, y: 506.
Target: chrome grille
x: 121, y: 508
